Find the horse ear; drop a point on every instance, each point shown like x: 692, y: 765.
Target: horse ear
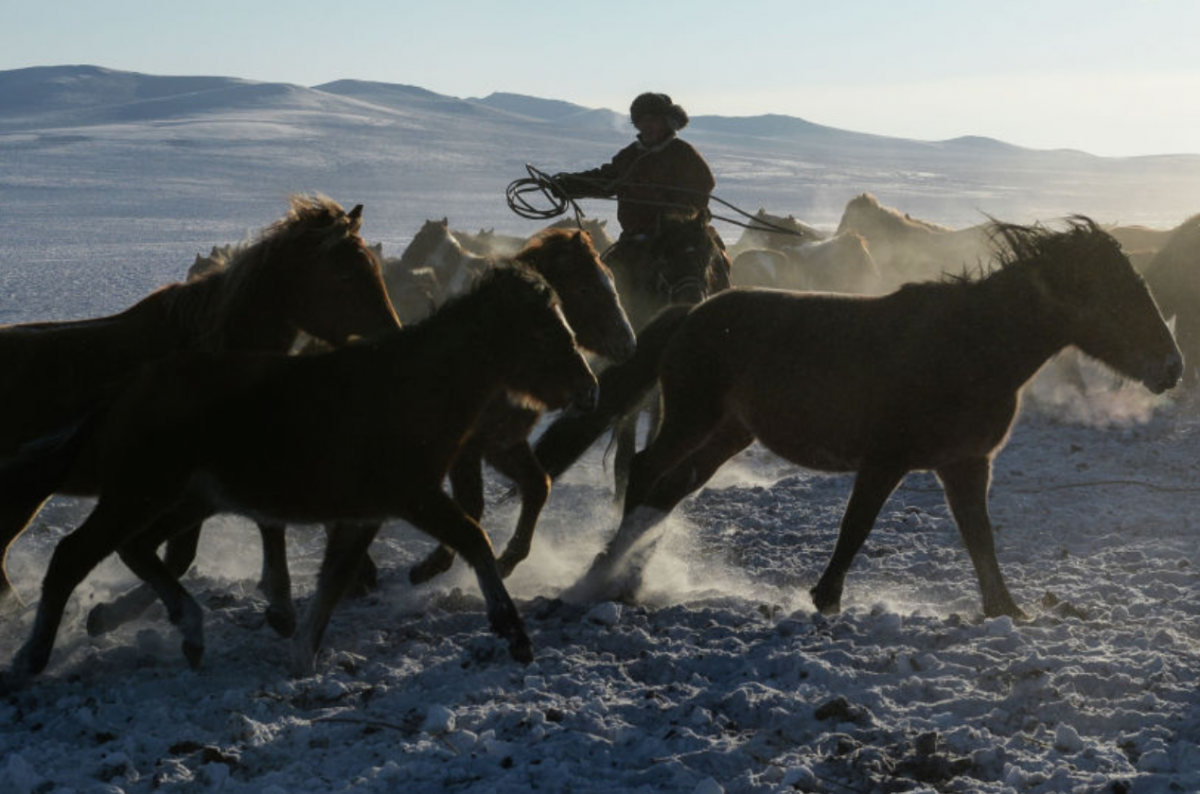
x: 356, y: 213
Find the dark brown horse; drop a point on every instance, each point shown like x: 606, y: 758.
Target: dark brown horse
x: 926, y: 378
x: 571, y: 266
x: 568, y: 261
x: 682, y: 262
x: 362, y: 433
x: 310, y: 271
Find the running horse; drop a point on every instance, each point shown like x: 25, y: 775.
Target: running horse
x: 310, y: 271
x: 926, y: 378
x: 362, y: 433
x: 568, y: 262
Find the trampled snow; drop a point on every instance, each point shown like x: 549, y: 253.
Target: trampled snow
x: 721, y: 677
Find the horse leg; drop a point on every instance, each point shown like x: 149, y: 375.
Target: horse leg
x: 520, y: 465
x: 872, y: 487
x: 140, y: 556
x: 466, y: 483
x: 346, y: 547
x: 625, y: 439
x: 366, y: 579
x: 687, y: 452
x: 73, y: 558
x: 966, y: 486
x: 181, y: 553
x: 276, y: 581
x: 438, y: 515
x: 14, y: 518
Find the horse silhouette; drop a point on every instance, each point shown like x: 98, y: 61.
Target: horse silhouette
x: 358, y: 434
x: 926, y: 378
x: 310, y: 271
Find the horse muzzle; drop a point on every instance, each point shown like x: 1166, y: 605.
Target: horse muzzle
x: 1166, y: 376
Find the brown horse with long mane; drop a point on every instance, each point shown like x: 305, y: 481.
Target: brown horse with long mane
x: 362, y: 433
x: 925, y: 378
x: 310, y: 271
x: 570, y: 265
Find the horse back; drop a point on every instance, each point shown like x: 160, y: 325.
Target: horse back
x: 828, y: 380
x: 53, y: 369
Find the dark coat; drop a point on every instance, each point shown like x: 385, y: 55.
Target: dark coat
x: 647, y: 181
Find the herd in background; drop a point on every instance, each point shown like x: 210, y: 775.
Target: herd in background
x: 874, y: 250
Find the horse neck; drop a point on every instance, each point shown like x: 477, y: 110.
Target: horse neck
x: 1011, y: 328
x: 235, y: 310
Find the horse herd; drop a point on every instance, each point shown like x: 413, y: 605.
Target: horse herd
x: 188, y: 403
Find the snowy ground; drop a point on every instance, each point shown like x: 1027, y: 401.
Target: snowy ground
x: 720, y: 678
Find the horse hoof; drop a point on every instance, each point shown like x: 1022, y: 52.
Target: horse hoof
x: 100, y: 620
x: 283, y: 621
x: 521, y: 649
x: 193, y: 652
x: 304, y: 664
x: 825, y: 604
x: 1010, y: 610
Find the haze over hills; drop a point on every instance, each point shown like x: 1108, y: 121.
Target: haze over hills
x: 194, y: 161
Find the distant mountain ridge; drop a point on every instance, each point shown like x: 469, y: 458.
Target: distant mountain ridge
x: 410, y: 147
x: 95, y: 93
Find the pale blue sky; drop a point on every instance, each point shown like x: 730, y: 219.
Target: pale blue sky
x: 1113, y: 77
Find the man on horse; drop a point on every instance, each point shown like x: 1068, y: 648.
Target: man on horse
x: 656, y: 174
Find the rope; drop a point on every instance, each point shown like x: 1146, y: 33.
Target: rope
x: 541, y: 184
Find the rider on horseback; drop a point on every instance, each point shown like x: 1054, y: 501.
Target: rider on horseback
x: 656, y: 174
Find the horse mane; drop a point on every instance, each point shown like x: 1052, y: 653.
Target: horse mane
x: 1017, y: 247
x: 510, y: 287
x: 201, y: 304
x: 552, y: 235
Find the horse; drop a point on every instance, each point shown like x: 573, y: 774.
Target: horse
x: 570, y: 265
x: 1140, y: 238
x: 928, y: 377
x: 908, y: 249
x: 841, y: 263
x: 435, y: 247
x: 596, y: 229
x: 775, y: 232
x: 361, y: 433
x: 1172, y: 277
x: 594, y: 311
x: 310, y: 271
x: 681, y: 262
x: 487, y: 243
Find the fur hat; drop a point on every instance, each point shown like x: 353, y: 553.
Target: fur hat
x: 651, y: 104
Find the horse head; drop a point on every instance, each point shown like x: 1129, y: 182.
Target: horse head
x: 1102, y: 303
x: 685, y: 262
x: 569, y: 262
x: 337, y: 288
x: 546, y: 366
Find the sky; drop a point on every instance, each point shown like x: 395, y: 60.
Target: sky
x: 1111, y: 77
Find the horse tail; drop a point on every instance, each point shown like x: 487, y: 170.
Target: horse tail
x: 43, y: 466
x: 622, y: 388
